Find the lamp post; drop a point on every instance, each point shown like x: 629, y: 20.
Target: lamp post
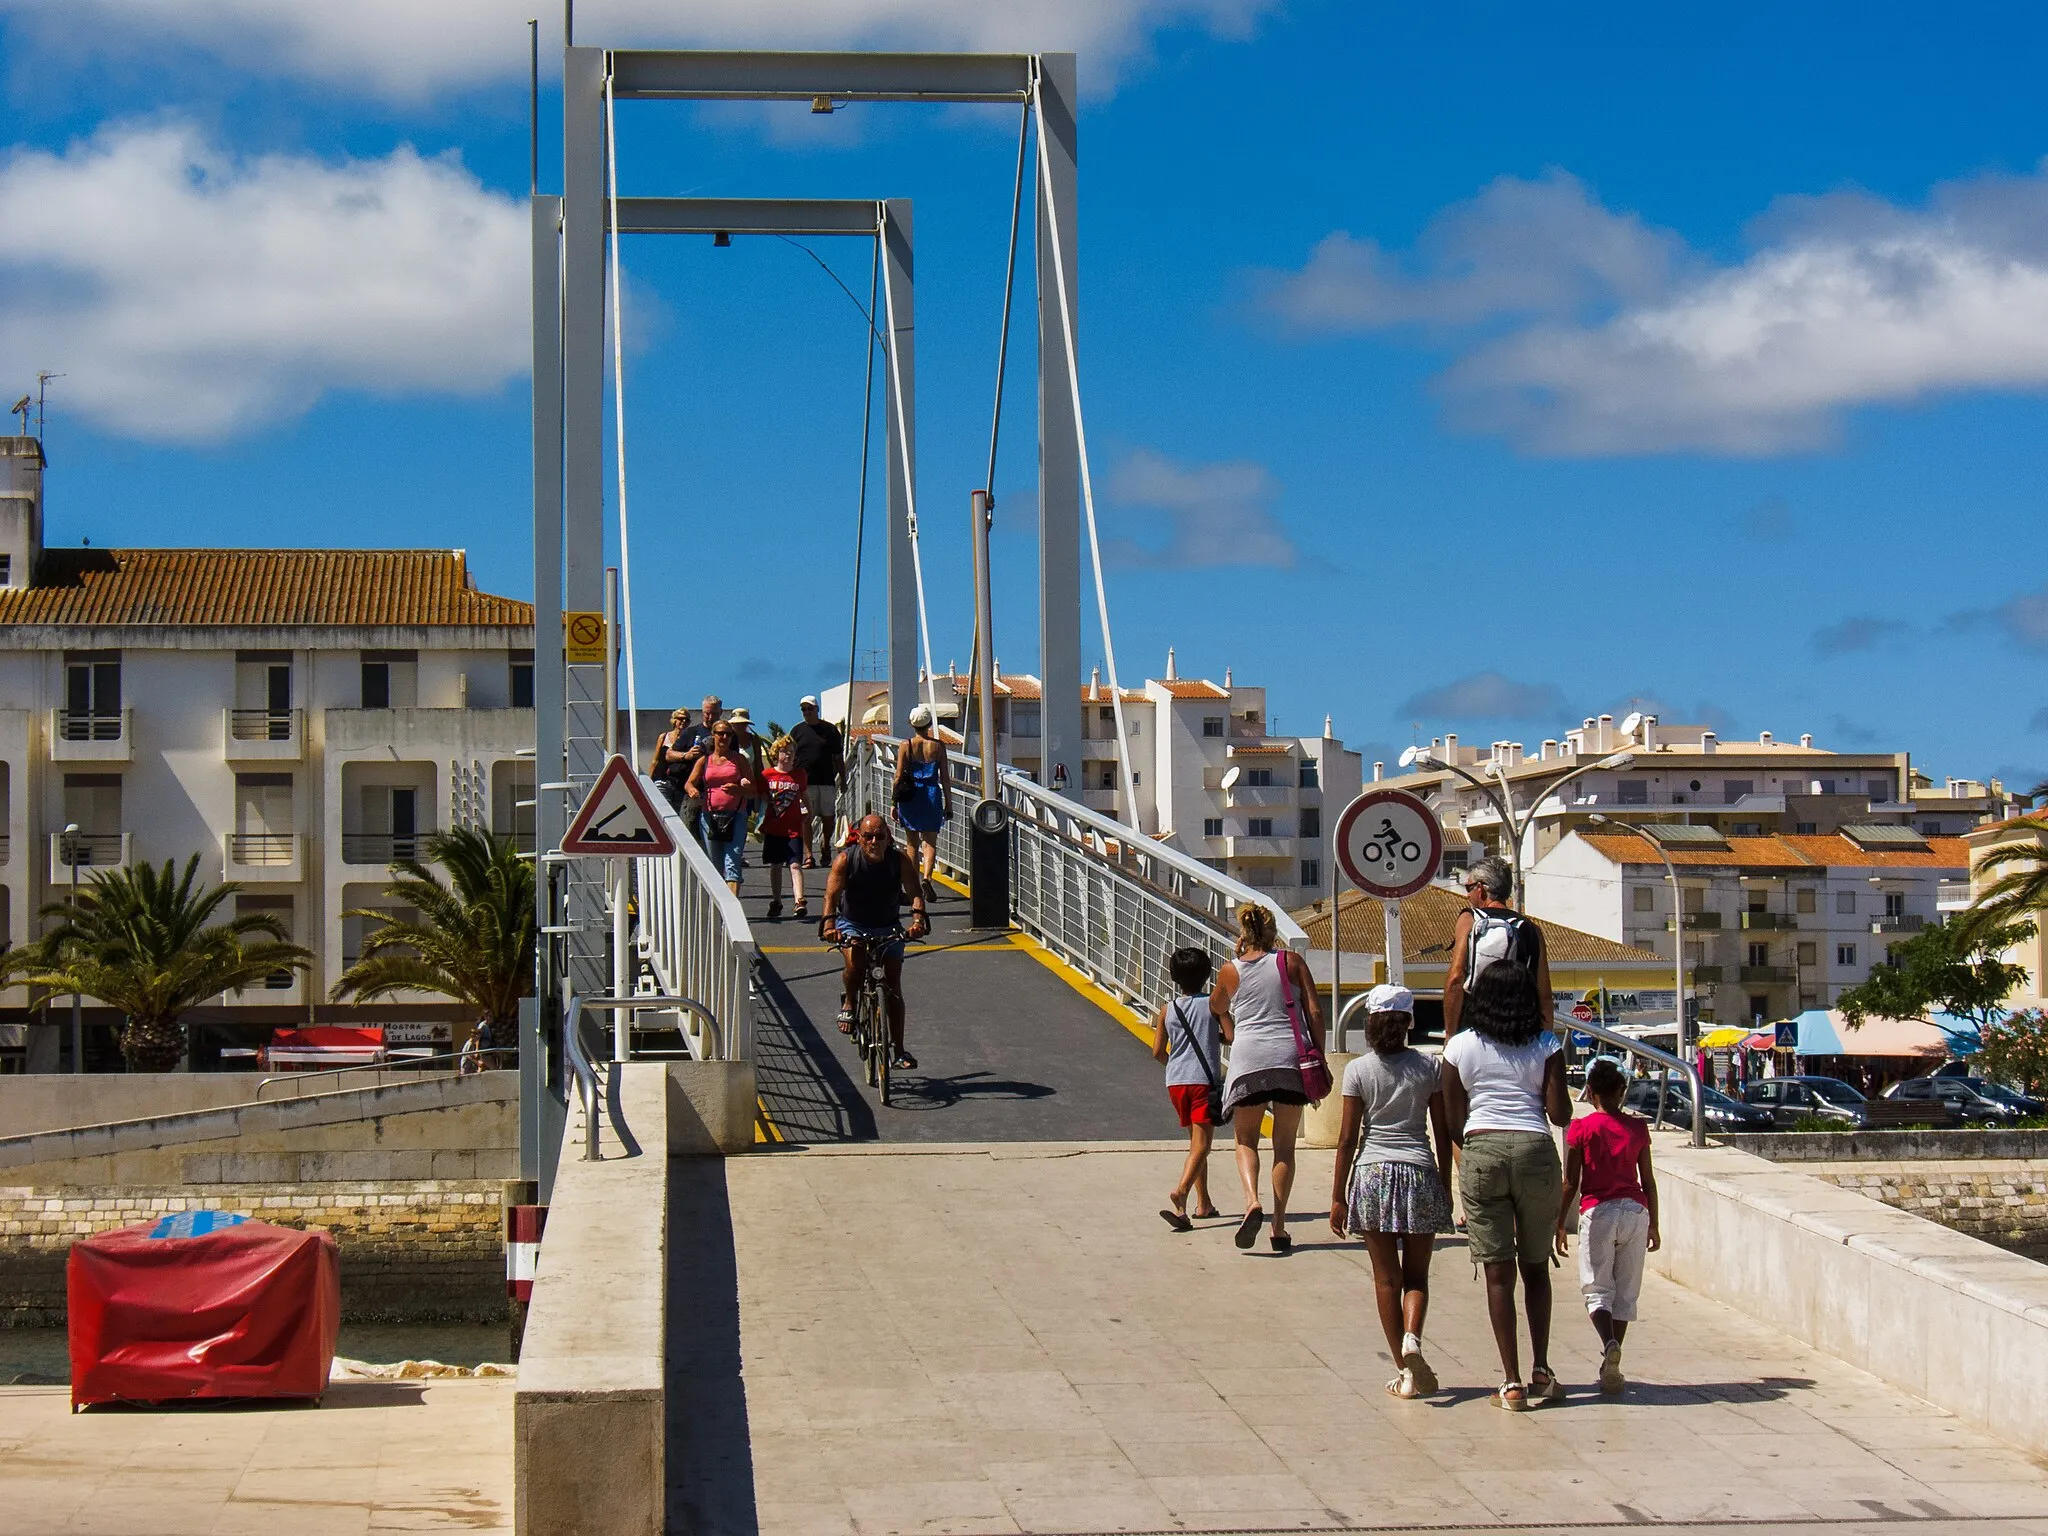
x: 1503, y: 797
x: 70, y: 902
x: 1679, y: 1020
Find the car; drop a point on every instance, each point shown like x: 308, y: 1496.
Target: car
x: 2024, y: 1103
x: 1792, y: 1099
x: 1974, y: 1107
x: 1720, y: 1112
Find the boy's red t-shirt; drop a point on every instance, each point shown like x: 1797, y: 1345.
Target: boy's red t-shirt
x: 785, y: 817
x: 1609, y: 1147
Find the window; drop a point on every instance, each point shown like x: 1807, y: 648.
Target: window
x: 263, y: 818
x: 1746, y: 829
x: 1645, y: 899
x: 1759, y: 1007
x: 1024, y: 717
x: 6, y: 569
x: 1133, y: 725
x: 1106, y: 776
x: 1259, y: 778
x: 1809, y: 954
x: 1805, y: 828
x: 1212, y: 826
x: 1312, y: 821
x: 1759, y: 954
x: 1137, y: 777
x: 1930, y: 829
x: 1823, y: 786
x: 93, y: 802
x: 1733, y: 790
x: 1879, y: 790
x: 92, y: 696
x: 1894, y: 903
x: 1806, y: 900
x: 1311, y: 772
x: 1259, y: 826
x: 1632, y: 791
x: 390, y: 679
x: 520, y: 691
x: 1107, y: 715
x: 280, y: 908
x: 1312, y: 872
x: 1212, y: 725
x: 1845, y: 901
x: 1755, y: 901
x: 1845, y: 954
x: 1694, y: 897
x: 376, y: 685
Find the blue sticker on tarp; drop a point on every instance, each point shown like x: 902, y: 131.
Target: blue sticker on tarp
x: 195, y: 1223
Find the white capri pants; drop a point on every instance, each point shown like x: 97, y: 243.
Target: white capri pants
x: 1614, y: 1236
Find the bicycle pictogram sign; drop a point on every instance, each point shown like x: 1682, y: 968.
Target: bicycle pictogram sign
x: 1389, y: 843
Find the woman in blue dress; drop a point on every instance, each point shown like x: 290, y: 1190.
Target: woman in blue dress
x: 923, y: 794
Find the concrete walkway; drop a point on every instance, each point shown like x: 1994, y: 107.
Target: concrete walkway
x: 956, y: 1340
x: 374, y: 1456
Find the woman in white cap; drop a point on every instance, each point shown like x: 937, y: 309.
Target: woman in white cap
x: 922, y: 794
x: 1397, y: 1195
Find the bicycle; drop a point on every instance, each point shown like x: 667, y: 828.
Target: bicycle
x: 870, y: 1033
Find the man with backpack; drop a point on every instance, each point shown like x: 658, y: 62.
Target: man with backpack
x: 1491, y: 930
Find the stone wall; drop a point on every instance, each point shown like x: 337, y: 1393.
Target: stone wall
x: 1914, y: 1146
x: 416, y: 1251
x: 2005, y: 1203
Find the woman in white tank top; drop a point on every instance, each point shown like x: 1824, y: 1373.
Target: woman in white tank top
x: 1250, y: 1004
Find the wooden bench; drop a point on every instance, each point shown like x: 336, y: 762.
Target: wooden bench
x: 1898, y: 1114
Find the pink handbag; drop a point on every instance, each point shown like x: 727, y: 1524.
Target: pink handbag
x: 1316, y: 1081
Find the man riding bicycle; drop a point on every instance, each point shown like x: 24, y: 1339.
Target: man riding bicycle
x: 864, y: 899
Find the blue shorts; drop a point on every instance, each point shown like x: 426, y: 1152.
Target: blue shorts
x: 887, y: 938
x: 730, y: 855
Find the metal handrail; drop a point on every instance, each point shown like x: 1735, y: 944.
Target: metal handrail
x: 584, y: 1070
x: 1664, y: 1059
x: 409, y: 1064
x: 584, y: 1067
x: 695, y: 937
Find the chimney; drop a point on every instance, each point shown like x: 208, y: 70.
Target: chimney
x: 1649, y: 730
x: 1329, y: 728
x: 1547, y: 751
x: 1707, y: 742
x: 1172, y: 673
x: 1806, y: 739
x: 21, y: 509
x: 1095, y: 683
x: 1763, y: 738
x: 1226, y: 678
x: 1379, y: 771
x: 1450, y: 747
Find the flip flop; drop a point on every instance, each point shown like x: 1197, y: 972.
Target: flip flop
x: 1176, y: 1220
x: 846, y: 1021
x: 1209, y: 1215
x: 1283, y: 1244
x: 903, y: 1061
x: 1248, y: 1229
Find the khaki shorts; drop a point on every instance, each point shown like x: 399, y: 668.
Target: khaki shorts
x: 1512, y: 1186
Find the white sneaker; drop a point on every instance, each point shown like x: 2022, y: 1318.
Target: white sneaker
x: 1611, y: 1379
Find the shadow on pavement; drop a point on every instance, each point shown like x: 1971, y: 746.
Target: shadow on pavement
x: 912, y: 1092
x: 710, y: 1455
x: 807, y: 1093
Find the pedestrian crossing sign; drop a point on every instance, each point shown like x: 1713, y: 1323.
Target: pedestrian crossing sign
x: 618, y: 818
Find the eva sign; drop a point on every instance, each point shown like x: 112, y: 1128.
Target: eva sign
x: 618, y: 819
x: 1389, y: 843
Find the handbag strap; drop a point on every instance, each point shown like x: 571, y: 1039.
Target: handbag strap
x: 1194, y: 1045
x: 1304, y: 1047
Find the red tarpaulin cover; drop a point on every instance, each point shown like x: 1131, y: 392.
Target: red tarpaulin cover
x: 324, y: 1045
x: 249, y: 1310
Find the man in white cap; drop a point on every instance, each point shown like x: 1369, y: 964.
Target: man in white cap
x: 821, y: 755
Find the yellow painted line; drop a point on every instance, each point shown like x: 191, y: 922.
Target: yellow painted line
x: 1137, y: 1023
x: 765, y: 1129
x: 941, y: 878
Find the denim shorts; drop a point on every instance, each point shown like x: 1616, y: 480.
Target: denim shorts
x: 730, y: 855
x: 884, y: 939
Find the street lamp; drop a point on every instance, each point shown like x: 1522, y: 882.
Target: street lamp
x: 1679, y: 1020
x: 70, y: 902
x: 1503, y: 797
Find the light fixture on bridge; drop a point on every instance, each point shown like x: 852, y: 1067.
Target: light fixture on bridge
x: 822, y: 106
x: 721, y: 239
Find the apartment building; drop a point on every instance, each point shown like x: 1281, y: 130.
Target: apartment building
x: 1772, y: 925
x: 1643, y: 770
x: 298, y: 718
x: 2031, y: 952
x: 1272, y: 827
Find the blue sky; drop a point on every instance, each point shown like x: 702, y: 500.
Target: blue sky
x: 1463, y: 369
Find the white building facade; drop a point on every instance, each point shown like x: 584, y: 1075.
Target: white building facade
x: 297, y: 718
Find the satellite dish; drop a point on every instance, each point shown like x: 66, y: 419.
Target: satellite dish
x: 1631, y: 722
x: 1408, y: 756
x: 1231, y: 775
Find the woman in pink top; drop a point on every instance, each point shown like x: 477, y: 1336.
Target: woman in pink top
x: 725, y: 781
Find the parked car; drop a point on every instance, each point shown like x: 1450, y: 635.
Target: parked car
x: 1792, y: 1099
x: 1721, y: 1113
x: 2024, y: 1103
x: 1974, y: 1107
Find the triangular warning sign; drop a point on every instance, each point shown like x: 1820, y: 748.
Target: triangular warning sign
x: 618, y: 818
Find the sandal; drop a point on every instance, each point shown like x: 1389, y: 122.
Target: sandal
x: 1248, y: 1229
x: 1282, y: 1243
x: 1417, y: 1370
x: 802, y: 911
x: 846, y: 1021
x: 1402, y: 1385
x: 1176, y: 1220
x: 775, y: 909
x: 1611, y: 1379
x: 1209, y: 1215
x: 902, y: 1061
x: 1511, y: 1396
x: 1544, y: 1387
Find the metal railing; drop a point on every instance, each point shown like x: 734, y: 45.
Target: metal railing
x: 90, y: 724
x: 263, y: 724
x: 263, y: 848
x: 1898, y: 922
x: 1110, y: 901
x: 88, y: 850
x: 381, y: 847
x: 393, y: 1064
x: 695, y: 939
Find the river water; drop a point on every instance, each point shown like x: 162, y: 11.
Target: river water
x: 41, y: 1356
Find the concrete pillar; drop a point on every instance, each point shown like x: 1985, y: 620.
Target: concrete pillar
x: 1059, y: 451
x: 901, y: 439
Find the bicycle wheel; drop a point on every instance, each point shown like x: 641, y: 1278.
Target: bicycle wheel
x: 864, y: 1030
x: 884, y: 1050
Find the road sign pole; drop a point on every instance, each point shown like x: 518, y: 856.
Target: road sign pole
x: 1336, y: 951
x: 1397, y: 965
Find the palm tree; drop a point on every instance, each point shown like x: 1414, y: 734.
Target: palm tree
x: 2022, y: 889
x: 472, y: 940
x: 141, y: 939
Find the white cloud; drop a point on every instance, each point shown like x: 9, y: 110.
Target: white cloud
x: 1213, y: 514
x: 408, y: 50
x: 1484, y: 696
x: 185, y: 293
x: 1587, y: 333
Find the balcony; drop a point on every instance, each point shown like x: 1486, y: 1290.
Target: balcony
x: 88, y: 851
x: 1776, y: 975
x: 1103, y: 800
x: 1705, y: 975
x: 1259, y: 794
x: 262, y: 856
x: 1951, y: 895
x: 264, y: 735
x: 1901, y: 922
x: 381, y: 848
x: 82, y: 736
x: 1258, y: 847
x: 1695, y: 920
x: 1769, y: 920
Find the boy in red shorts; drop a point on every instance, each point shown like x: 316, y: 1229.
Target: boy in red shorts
x: 1186, y: 1037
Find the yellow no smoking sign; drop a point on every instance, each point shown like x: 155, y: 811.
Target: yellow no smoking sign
x: 583, y: 637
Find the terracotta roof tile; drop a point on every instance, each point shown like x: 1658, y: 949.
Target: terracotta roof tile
x: 1741, y: 852
x: 257, y: 587
x: 1260, y: 749
x: 1427, y: 920
x: 1940, y: 853
x: 1190, y: 688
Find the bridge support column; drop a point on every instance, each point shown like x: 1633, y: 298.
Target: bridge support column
x: 1059, y: 448
x: 900, y: 389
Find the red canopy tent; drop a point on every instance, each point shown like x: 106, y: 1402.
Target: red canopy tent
x: 323, y: 1045
x: 202, y: 1305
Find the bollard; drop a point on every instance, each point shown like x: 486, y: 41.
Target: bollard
x: 523, y: 1227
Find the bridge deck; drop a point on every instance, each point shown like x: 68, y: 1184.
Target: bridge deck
x: 1006, y: 1049
x: 1006, y: 1338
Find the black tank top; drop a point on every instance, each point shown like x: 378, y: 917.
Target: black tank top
x: 872, y: 893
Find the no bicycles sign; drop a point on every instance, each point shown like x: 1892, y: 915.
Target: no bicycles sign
x: 1389, y: 843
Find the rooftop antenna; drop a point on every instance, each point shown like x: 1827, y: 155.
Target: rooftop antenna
x: 43, y: 378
